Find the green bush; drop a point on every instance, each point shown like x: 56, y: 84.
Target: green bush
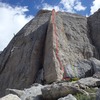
x: 84, y: 97
x: 75, y: 79
x: 91, y: 90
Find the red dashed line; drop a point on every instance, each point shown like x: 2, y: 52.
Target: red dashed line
x: 55, y: 34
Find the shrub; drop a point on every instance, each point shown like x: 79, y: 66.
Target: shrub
x: 84, y: 97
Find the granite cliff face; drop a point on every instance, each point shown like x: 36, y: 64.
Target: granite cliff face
x: 48, y: 43
x: 94, y: 28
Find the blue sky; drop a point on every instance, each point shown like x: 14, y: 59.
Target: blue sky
x: 14, y: 14
x: 35, y: 5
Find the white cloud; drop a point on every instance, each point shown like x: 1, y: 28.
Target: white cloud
x: 50, y: 7
x: 79, y: 7
x: 66, y: 5
x: 95, y: 6
x: 12, y: 19
x: 72, y: 5
x: 87, y: 15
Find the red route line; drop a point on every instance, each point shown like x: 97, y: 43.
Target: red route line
x: 57, y: 51
x: 55, y: 32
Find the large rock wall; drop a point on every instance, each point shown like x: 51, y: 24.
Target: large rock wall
x: 23, y: 57
x: 67, y: 42
x: 78, y: 46
x: 94, y: 27
x: 37, y: 46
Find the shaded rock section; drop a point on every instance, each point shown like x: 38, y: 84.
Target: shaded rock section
x: 81, y: 69
x: 23, y: 57
x: 94, y: 27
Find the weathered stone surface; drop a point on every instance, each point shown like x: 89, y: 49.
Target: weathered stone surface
x: 96, y: 64
x: 23, y: 57
x: 96, y: 67
x: 79, y: 44
x: 97, y: 75
x: 90, y: 81
x: 69, y: 44
x: 52, y: 61
x: 10, y: 97
x: 98, y: 95
x: 55, y: 91
x: 94, y: 24
x: 32, y: 93
x: 19, y: 93
x: 68, y: 97
x: 81, y: 69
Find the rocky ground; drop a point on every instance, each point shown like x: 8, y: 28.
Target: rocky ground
x: 83, y: 89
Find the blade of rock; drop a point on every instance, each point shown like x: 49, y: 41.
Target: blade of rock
x: 55, y: 42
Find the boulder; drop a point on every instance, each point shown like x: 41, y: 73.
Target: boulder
x: 32, y: 93
x: 19, y: 93
x: 57, y: 90
x: 97, y: 75
x: 96, y: 64
x: 81, y: 69
x: 68, y: 97
x: 90, y: 82
x: 10, y: 97
x: 96, y: 67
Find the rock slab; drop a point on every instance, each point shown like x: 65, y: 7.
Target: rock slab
x: 32, y: 93
x: 90, y: 82
x: 10, y: 97
x: 68, y: 97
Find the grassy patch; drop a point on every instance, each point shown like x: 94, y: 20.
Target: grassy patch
x: 91, y: 90
x: 84, y: 97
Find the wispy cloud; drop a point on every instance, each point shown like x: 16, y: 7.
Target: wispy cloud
x: 50, y: 7
x: 95, y: 6
x: 65, y: 5
x: 12, y: 19
x: 79, y: 6
x: 72, y: 5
